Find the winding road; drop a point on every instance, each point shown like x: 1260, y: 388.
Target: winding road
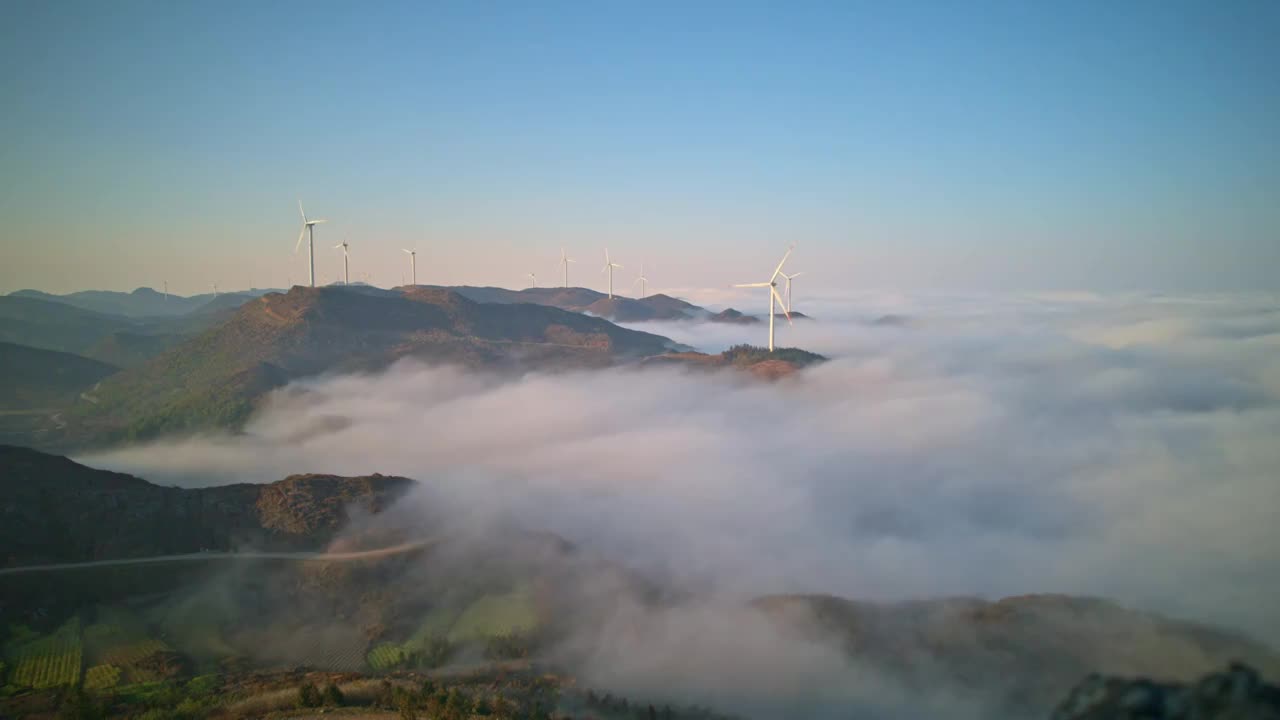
x: 213, y: 556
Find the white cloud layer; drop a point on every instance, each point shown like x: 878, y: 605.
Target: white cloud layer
x: 1120, y: 447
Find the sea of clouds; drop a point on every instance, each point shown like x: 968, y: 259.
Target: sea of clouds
x: 991, y: 445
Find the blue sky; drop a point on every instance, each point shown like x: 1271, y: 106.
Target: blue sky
x: 1088, y: 145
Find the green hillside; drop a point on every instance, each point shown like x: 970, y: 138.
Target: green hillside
x: 36, y: 379
x: 216, y: 378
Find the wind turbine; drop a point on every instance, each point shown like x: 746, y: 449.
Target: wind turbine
x: 533, y: 279
x: 608, y: 268
x: 642, y: 279
x: 346, y: 261
x: 565, y: 260
x: 308, y: 229
x: 413, y: 264
x: 788, y: 291
x: 166, y: 291
x: 773, y: 294
x: 215, y: 291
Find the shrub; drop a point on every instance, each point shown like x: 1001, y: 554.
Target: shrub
x: 308, y: 696
x: 333, y: 696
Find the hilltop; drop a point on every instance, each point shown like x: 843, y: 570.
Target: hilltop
x: 215, y: 378
x: 758, y: 361
x: 53, y: 510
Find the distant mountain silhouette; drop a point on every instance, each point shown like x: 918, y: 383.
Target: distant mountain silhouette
x: 54, y: 325
x: 216, y: 378
x: 618, y: 308
x: 144, y: 302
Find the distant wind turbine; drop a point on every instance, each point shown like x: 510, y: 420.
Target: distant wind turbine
x: 308, y: 229
x: 608, y: 268
x: 346, y: 261
x: 788, y: 291
x: 413, y: 264
x: 565, y: 260
x: 642, y: 279
x: 773, y: 294
x: 215, y: 291
x: 533, y: 279
x: 166, y: 291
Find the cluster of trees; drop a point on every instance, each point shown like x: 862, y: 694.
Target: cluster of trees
x: 742, y: 355
x: 619, y: 707
x: 309, y: 696
x: 436, y: 702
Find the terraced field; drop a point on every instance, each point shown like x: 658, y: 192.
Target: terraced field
x: 494, y: 615
x: 386, y: 656
x: 48, y: 661
x: 436, y: 624
x: 101, y: 677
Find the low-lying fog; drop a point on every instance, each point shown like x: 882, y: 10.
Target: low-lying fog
x: 1125, y: 447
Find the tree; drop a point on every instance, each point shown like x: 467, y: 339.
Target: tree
x: 309, y: 696
x: 333, y: 697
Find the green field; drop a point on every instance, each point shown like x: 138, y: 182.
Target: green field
x: 48, y: 661
x: 101, y: 677
x: 435, y: 624
x: 386, y: 656
x: 494, y: 615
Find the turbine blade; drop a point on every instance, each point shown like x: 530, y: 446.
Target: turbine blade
x: 795, y: 275
x: 408, y: 251
x: 783, y: 305
x: 317, y: 222
x: 301, y: 211
x: 300, y: 236
x: 752, y: 285
x: 780, y: 264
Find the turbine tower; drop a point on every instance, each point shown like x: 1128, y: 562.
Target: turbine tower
x: 533, y: 279
x: 642, y: 280
x: 608, y: 268
x: 215, y: 291
x: 413, y: 264
x: 346, y: 261
x: 308, y: 229
x: 788, y: 291
x: 565, y: 260
x: 773, y: 294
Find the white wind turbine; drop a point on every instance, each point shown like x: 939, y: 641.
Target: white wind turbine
x: 788, y: 290
x: 308, y: 229
x: 565, y: 260
x: 346, y: 261
x: 413, y: 264
x: 533, y: 279
x: 773, y: 294
x: 642, y: 280
x: 608, y: 268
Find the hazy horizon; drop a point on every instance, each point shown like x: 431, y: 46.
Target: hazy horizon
x: 999, y: 147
